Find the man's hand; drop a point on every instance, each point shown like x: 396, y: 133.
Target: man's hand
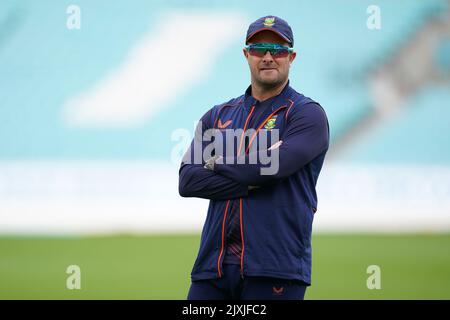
x: 209, y: 164
x: 276, y: 145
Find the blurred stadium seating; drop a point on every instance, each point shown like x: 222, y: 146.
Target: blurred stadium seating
x: 85, y: 110
x: 417, y: 135
x: 44, y: 66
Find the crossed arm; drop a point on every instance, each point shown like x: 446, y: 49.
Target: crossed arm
x: 197, y: 181
x: 306, y: 137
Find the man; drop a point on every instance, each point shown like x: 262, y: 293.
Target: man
x: 256, y: 240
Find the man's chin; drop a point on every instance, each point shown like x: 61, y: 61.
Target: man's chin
x: 270, y: 83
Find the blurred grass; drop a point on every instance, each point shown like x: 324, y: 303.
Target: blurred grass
x: 158, y: 267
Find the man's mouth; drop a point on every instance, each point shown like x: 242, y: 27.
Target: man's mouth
x: 263, y: 69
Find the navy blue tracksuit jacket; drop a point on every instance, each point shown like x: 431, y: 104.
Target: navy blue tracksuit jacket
x: 275, y: 218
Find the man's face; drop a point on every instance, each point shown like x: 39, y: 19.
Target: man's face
x: 266, y: 71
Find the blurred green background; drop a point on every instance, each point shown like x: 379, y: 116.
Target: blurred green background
x: 158, y: 267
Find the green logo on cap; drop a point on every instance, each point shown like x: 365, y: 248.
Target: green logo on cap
x: 269, y: 22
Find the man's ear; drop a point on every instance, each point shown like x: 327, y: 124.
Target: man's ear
x: 292, y: 57
x: 245, y: 53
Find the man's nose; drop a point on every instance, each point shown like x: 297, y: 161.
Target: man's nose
x: 267, y: 57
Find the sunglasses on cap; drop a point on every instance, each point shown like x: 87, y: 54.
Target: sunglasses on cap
x: 276, y: 50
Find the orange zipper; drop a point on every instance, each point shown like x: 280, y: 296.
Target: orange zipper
x: 242, y: 237
x: 226, y: 209
x: 223, y: 238
x: 240, y: 199
x: 260, y: 126
x: 245, y: 128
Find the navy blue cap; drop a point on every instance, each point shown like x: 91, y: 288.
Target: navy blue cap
x: 274, y: 24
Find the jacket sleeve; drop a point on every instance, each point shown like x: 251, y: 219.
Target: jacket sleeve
x: 306, y: 137
x: 196, y: 181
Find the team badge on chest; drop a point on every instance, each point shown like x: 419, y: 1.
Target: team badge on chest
x: 270, y: 124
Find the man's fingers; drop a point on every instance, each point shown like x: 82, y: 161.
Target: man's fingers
x: 276, y: 145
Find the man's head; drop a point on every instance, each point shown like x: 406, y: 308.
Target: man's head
x: 269, y: 68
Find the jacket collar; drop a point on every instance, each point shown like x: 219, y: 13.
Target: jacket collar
x: 276, y: 101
